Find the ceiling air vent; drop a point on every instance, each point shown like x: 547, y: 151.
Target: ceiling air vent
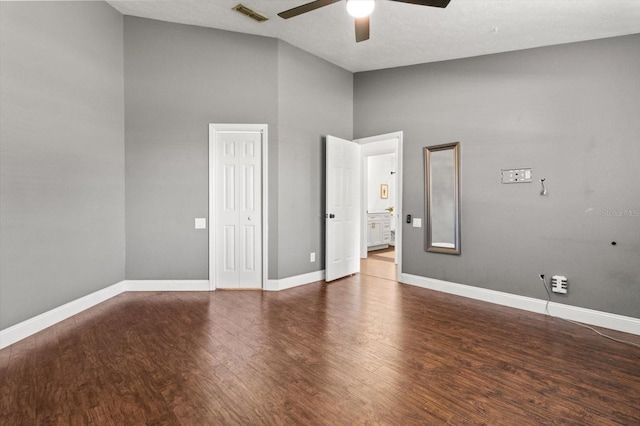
x: 256, y: 16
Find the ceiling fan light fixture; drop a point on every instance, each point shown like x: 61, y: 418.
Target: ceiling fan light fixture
x: 360, y: 8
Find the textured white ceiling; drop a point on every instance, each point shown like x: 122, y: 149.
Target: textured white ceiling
x: 405, y: 34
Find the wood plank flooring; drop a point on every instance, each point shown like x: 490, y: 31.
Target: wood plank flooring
x: 362, y: 350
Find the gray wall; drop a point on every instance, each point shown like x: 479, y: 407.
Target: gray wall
x: 61, y: 154
x: 178, y: 79
x: 572, y: 113
x: 315, y: 98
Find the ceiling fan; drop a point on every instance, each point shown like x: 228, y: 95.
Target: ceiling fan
x: 359, y: 9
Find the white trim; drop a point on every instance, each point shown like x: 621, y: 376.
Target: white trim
x: 26, y: 328
x: 31, y: 326
x: 167, y: 285
x: 295, y: 281
x: 272, y: 285
x: 212, y: 215
x: 583, y: 315
x: 261, y: 128
x: 399, y: 137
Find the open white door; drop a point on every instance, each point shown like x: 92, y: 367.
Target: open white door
x: 342, y: 219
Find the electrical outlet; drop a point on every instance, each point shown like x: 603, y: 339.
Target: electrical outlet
x: 516, y: 175
x: 559, y: 284
x: 312, y: 257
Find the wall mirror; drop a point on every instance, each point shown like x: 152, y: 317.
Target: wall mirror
x: 442, y: 198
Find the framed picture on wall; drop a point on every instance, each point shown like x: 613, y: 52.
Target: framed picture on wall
x: 384, y: 191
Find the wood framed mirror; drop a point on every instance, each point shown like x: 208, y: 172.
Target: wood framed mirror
x: 442, y: 198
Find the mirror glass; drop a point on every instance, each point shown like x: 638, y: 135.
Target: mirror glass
x: 442, y: 203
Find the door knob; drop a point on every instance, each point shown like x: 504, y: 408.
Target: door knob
x: 331, y: 215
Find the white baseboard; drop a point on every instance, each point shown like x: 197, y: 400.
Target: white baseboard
x: 166, y: 285
x: 26, y: 328
x: 583, y: 315
x: 295, y: 281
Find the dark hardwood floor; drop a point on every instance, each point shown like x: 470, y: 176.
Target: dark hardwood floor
x: 362, y: 350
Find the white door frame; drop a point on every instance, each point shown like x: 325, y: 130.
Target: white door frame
x: 257, y: 128
x: 398, y: 136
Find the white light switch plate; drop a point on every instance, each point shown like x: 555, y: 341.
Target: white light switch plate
x: 417, y: 222
x: 201, y: 223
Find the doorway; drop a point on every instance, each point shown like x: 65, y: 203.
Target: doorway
x: 381, y: 230
x: 237, y: 206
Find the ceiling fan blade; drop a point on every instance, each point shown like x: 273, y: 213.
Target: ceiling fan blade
x: 308, y: 7
x: 433, y: 3
x: 362, y: 29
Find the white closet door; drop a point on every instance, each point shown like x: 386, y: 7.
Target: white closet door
x: 239, y: 210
